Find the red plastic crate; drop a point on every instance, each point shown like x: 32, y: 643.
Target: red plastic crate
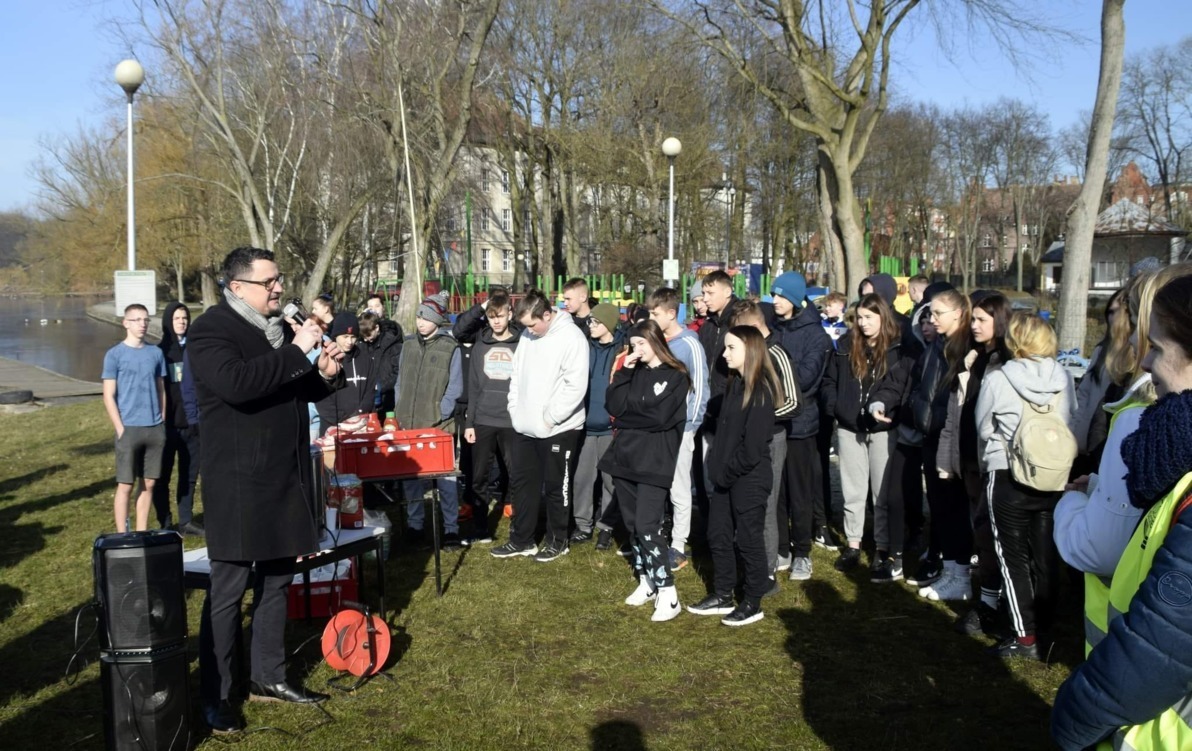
x: 326, y: 597
x: 410, y: 453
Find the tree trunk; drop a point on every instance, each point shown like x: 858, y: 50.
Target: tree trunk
x: 1078, y: 251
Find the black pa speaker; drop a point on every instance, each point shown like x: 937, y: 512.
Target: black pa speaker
x: 146, y: 704
x: 138, y: 585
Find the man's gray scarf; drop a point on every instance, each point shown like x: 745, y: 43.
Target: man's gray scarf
x: 271, y: 326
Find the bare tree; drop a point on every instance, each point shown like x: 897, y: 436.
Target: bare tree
x: 840, y: 54
x: 1078, y: 250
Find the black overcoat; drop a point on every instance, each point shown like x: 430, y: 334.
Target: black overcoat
x: 256, y: 438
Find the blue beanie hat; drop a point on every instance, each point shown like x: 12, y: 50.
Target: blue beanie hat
x: 790, y: 285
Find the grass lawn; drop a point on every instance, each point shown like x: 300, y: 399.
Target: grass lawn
x: 522, y: 655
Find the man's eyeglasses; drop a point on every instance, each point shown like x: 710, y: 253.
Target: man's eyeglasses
x: 267, y: 283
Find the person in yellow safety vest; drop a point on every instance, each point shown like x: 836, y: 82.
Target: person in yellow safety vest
x: 1133, y: 692
x: 1095, y: 519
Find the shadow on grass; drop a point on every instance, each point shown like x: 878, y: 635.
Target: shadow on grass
x: 10, y: 599
x: 617, y: 735
x: 95, y: 449
x: 16, y: 483
x: 23, y: 540
x: 39, y: 658
x: 903, y: 679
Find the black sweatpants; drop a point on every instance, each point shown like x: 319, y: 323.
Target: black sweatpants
x: 822, y: 506
x: 903, y: 484
x: 183, y: 443
x: 219, y: 627
x: 643, y: 508
x: 989, y: 573
x: 740, y: 512
x: 801, y: 479
x: 951, y: 531
x: 489, y: 442
x: 542, y: 471
x: 1022, y: 522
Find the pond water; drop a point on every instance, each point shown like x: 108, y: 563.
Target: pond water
x: 69, y: 343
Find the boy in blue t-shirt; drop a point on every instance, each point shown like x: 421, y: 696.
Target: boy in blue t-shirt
x: 134, y: 394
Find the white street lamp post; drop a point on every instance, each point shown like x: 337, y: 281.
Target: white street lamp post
x: 671, y: 148
x: 130, y: 75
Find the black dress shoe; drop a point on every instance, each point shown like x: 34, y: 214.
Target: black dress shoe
x: 223, y: 719
x: 283, y: 692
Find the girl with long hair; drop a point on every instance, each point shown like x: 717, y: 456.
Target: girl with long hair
x: 867, y: 378
x: 991, y: 316
x: 647, y: 400
x: 1021, y: 517
x: 1097, y: 386
x: 738, y: 465
x: 949, y: 537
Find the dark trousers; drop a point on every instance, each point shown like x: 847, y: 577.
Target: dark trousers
x: 183, y: 442
x: 489, y: 443
x: 822, y: 509
x: 989, y: 574
x: 951, y: 536
x: 739, y: 513
x: 643, y: 507
x: 903, y: 485
x: 1021, y: 520
x: 219, y: 628
x: 542, y: 471
x: 801, y: 485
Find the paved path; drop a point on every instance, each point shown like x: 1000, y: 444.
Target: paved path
x: 45, y: 384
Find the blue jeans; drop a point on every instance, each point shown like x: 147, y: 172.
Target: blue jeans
x: 448, y: 504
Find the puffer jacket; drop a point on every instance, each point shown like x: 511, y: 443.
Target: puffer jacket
x: 1144, y: 664
x: 927, y: 393
x: 809, y: 347
x: 848, y: 398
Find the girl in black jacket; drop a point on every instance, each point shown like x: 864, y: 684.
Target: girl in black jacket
x: 865, y: 385
x: 738, y: 465
x: 648, y: 402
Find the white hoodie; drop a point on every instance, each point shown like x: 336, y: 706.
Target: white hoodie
x: 999, y: 405
x: 550, y: 380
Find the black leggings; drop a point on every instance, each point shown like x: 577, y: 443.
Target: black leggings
x: 738, y: 514
x: 989, y: 574
x: 951, y: 531
x: 797, y: 505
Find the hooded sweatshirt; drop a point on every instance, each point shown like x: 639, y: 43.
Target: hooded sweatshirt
x: 490, y: 368
x: 550, y: 379
x: 999, y: 406
x: 600, y: 373
x: 173, y: 349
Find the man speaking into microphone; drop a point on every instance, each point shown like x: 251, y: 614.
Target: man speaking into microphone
x: 253, y: 381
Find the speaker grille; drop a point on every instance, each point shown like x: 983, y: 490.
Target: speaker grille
x: 146, y: 703
x: 141, y: 594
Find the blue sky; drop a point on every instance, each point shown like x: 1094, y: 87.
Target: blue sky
x: 59, y: 56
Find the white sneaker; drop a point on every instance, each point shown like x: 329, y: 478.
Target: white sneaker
x: 666, y: 605
x: 784, y: 563
x: 643, y: 594
x: 954, y: 585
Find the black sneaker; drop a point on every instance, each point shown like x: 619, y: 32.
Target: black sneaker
x: 450, y: 543
x: 626, y: 550
x: 1012, y: 649
x: 890, y: 570
x: 824, y: 539
x: 849, y: 559
x: 604, y: 540
x: 713, y: 604
x: 746, y: 613
x: 551, y: 551
x: 980, y: 619
x: 192, y: 529
x: 512, y: 549
x: 876, y: 560
x: 928, y: 572
x: 578, y: 537
x: 774, y: 588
